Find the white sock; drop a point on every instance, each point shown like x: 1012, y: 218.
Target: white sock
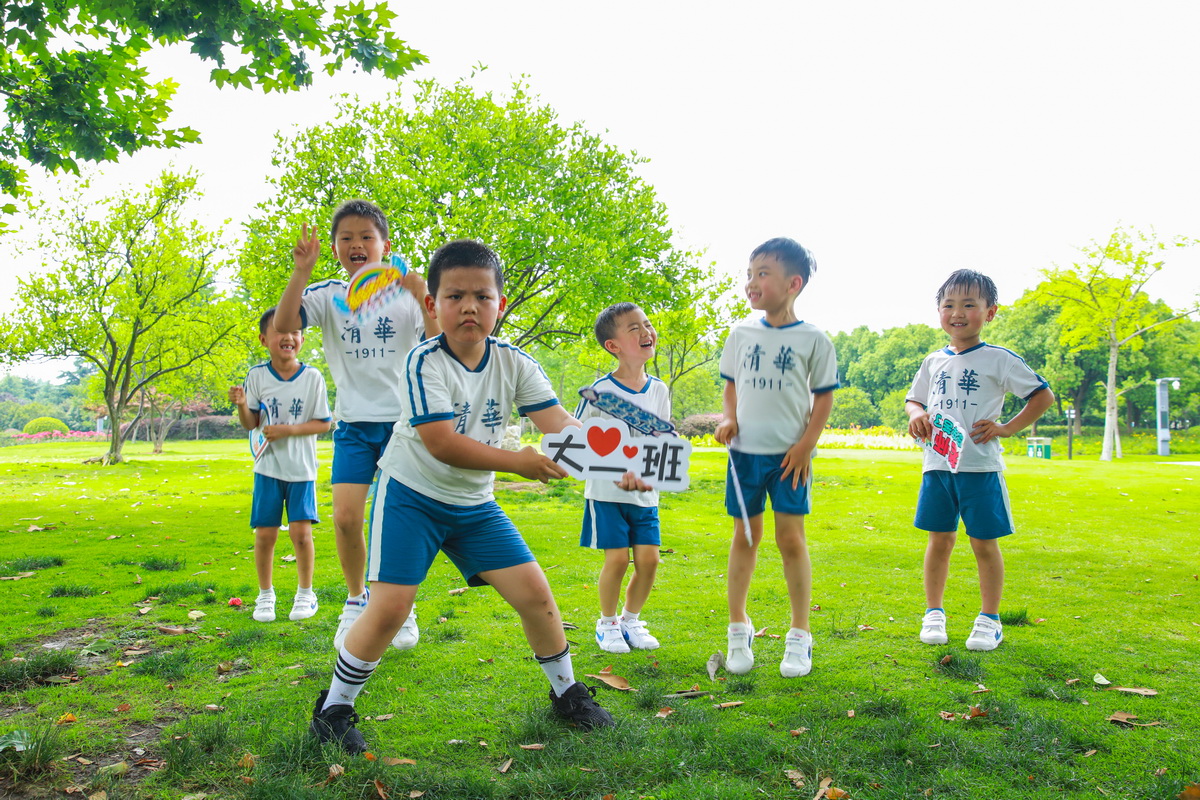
x: 264, y: 594
x: 302, y: 591
x: 558, y: 670
x: 628, y: 615
x: 349, y: 675
x: 357, y: 599
x: 608, y: 620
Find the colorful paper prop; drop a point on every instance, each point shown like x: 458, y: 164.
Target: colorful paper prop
x: 604, y: 449
x: 258, y: 439
x: 372, y: 288
x: 632, y: 415
x: 948, y: 439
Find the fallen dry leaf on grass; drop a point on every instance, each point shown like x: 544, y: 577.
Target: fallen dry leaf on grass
x: 1132, y: 690
x: 834, y: 793
x: 946, y: 659
x: 731, y: 704
x: 949, y: 716
x: 607, y: 677
x: 850, y: 713
x: 18, y: 576
x: 665, y: 712
x: 395, y: 762
x: 247, y: 761
x: 975, y: 711
x: 335, y: 771
x: 796, y: 777
x: 825, y: 783
x: 1190, y: 792
x: 1125, y: 718
x: 534, y: 746
x: 66, y: 719
x: 169, y: 630
x: 196, y: 614
x: 503, y: 768
x: 715, y: 662
x: 415, y: 794
x: 1100, y: 680
x: 798, y: 731
x: 459, y: 590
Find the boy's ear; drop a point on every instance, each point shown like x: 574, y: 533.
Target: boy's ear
x: 611, y: 346
x: 796, y: 284
x: 262, y: 339
x: 431, y: 305
x: 387, y: 249
x: 991, y: 313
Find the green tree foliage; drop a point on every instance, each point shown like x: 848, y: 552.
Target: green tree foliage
x: 132, y: 291
x: 44, y: 425
x: 852, y: 408
x: 74, y: 86
x: 691, y: 335
x: 574, y: 225
x: 891, y: 361
x: 1104, y: 305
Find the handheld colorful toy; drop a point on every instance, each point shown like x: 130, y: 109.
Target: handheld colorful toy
x: 634, y: 416
x: 258, y: 439
x: 372, y: 288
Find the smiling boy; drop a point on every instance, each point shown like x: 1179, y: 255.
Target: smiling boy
x: 435, y: 491
x: 966, y: 383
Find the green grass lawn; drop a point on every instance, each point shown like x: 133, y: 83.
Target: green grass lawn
x: 1103, y: 565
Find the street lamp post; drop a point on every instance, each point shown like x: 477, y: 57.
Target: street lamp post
x: 1070, y: 412
x: 1160, y: 413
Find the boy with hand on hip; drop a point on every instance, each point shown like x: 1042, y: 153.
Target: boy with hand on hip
x: 780, y: 375
x: 435, y: 490
x: 963, y: 387
x: 615, y: 520
x: 287, y: 399
x: 367, y: 362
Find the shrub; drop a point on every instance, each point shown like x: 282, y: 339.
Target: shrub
x: 698, y: 425
x: 45, y: 425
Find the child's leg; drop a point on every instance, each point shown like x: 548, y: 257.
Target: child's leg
x: 645, y: 568
x: 372, y: 632
x: 302, y: 544
x: 264, y: 555
x: 612, y: 573
x: 937, y: 566
x: 524, y: 587
x: 797, y: 567
x: 991, y: 573
x: 349, y: 502
x: 742, y: 558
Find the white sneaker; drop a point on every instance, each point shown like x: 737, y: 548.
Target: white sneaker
x: 637, y: 636
x: 350, y: 612
x: 741, y: 639
x: 406, y: 638
x: 304, y: 606
x: 797, y: 654
x: 608, y: 636
x: 933, y: 627
x: 986, y: 634
x: 264, y: 608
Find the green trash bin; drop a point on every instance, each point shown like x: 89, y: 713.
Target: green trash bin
x: 1037, y: 446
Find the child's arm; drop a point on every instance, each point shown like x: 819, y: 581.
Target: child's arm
x: 460, y: 450
x: 248, y: 418
x: 798, y: 459
x: 728, y: 426
x: 553, y: 419
x: 304, y: 254
x: 919, y: 426
x: 987, y: 429
x: 312, y: 427
x: 414, y: 282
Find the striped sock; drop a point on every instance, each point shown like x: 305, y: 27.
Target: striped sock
x: 349, y: 675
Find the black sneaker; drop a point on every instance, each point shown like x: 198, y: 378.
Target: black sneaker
x: 336, y: 724
x: 578, y: 704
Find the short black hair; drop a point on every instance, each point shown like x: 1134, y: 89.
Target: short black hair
x: 359, y: 208
x: 463, y: 253
x: 966, y: 279
x: 795, y: 257
x: 265, y: 320
x: 606, y: 320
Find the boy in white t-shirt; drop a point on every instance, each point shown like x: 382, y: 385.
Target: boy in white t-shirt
x: 367, y: 362
x: 614, y: 520
x: 435, y: 491
x: 780, y: 375
x: 966, y: 383
x: 288, y: 401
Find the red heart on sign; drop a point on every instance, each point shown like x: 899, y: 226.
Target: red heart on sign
x: 604, y: 441
x: 629, y: 450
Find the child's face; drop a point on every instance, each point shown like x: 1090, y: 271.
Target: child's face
x: 358, y: 242
x: 963, y: 313
x: 283, y: 346
x: 769, y: 287
x: 634, y: 339
x: 467, y: 304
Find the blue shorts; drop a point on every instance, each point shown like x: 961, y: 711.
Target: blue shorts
x: 408, y: 529
x: 357, y: 448
x: 980, y: 498
x: 759, y: 477
x: 270, y: 496
x: 607, y: 526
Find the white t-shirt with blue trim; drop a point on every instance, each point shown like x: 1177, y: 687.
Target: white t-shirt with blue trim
x: 775, y: 372
x: 968, y: 387
x: 290, y: 401
x: 438, y: 387
x: 367, y: 361
x: 653, y: 397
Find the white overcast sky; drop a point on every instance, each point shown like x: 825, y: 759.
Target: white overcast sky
x: 898, y: 141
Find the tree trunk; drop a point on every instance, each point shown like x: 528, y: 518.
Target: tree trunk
x: 1110, y: 407
x: 115, y: 437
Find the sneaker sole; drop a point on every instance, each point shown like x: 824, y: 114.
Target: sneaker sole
x: 983, y: 647
x: 943, y: 639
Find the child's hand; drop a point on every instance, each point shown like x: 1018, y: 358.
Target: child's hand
x: 538, y: 467
x: 726, y: 430
x: 919, y: 426
x: 632, y: 483
x: 307, y: 249
x: 274, y: 433
x: 985, y: 430
x: 414, y: 283
x: 797, y: 462
x: 237, y: 395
